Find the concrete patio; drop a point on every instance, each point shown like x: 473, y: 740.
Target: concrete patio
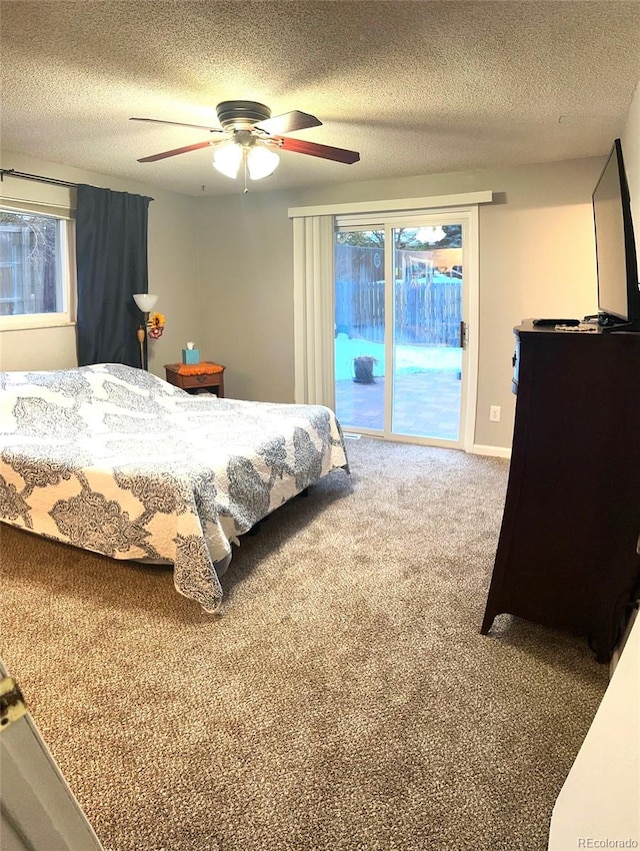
x: 427, y: 404
x: 426, y: 388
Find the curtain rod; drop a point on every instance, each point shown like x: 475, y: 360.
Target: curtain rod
x: 11, y: 172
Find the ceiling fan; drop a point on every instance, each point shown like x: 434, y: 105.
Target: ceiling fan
x: 249, y: 135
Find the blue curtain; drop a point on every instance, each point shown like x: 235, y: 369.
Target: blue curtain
x: 111, y: 259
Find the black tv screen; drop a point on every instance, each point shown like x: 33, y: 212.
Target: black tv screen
x: 617, y: 267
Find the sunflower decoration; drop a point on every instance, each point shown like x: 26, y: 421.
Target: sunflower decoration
x: 155, y: 325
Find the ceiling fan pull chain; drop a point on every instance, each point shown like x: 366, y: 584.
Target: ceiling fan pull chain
x: 244, y: 162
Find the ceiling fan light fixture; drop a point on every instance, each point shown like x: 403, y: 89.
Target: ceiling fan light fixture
x: 261, y: 162
x: 227, y: 159
x: 248, y: 134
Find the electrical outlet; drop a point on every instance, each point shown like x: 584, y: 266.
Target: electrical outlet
x: 494, y: 413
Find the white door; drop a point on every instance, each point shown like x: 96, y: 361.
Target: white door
x: 39, y: 812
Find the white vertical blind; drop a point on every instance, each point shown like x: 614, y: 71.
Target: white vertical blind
x: 313, y: 309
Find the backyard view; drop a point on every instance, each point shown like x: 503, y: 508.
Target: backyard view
x: 426, y: 358
x: 29, y: 274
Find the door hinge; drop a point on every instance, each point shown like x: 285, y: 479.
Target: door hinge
x: 12, y: 705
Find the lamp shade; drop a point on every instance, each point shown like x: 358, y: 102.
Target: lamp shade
x: 145, y: 301
x: 227, y: 159
x: 261, y: 162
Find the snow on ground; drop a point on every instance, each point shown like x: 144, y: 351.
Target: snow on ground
x: 408, y: 358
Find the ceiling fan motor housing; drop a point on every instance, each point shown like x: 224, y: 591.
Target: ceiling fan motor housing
x: 238, y: 114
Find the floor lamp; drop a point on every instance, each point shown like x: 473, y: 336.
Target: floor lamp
x: 146, y: 303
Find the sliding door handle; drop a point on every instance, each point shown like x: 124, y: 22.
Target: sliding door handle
x: 463, y: 334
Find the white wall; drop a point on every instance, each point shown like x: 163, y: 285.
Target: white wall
x: 631, y: 152
x: 223, y: 268
x: 246, y: 255
x: 537, y: 258
x: 173, y: 268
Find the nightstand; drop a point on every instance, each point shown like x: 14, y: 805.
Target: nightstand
x: 210, y: 382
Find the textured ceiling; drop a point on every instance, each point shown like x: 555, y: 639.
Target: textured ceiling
x: 417, y: 87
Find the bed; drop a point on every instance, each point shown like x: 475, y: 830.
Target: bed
x: 114, y: 460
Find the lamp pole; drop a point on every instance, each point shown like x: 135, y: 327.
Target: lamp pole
x: 145, y: 303
x: 142, y: 339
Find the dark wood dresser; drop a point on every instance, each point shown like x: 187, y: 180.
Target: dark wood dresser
x: 567, y: 553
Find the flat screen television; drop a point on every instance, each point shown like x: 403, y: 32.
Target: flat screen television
x: 617, y: 265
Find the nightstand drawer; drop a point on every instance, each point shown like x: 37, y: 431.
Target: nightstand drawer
x: 211, y: 382
x: 205, y: 380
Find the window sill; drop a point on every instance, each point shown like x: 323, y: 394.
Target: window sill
x: 27, y: 323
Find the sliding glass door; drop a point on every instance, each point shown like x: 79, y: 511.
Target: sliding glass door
x: 399, y: 327
x: 360, y: 332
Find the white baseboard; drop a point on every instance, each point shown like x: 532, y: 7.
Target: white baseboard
x: 495, y: 451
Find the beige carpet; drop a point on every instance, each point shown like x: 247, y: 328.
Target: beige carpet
x: 344, y: 699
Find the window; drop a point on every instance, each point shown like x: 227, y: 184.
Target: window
x: 35, y: 268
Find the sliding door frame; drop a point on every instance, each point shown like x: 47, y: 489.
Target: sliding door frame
x: 314, y: 285
x: 468, y: 218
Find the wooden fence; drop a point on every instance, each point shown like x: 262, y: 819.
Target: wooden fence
x: 428, y: 306
x: 27, y: 269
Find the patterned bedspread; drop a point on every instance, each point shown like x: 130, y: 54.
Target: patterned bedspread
x: 115, y: 460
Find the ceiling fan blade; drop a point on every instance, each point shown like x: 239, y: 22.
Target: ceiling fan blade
x: 179, y: 124
x: 340, y: 155
x: 288, y: 122
x: 176, y: 151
